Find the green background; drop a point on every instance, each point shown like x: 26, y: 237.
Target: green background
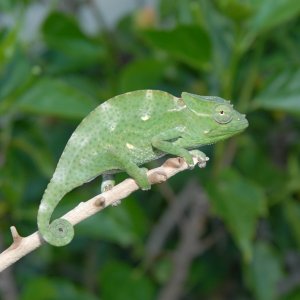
x: 229, y: 231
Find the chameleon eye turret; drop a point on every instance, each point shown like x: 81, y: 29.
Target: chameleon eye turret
x: 223, y: 113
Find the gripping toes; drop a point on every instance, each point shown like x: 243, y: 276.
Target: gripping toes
x: 142, y: 179
x: 108, y: 183
x: 201, y: 157
x: 188, y: 157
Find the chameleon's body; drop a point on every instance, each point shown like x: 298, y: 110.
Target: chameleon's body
x: 127, y: 131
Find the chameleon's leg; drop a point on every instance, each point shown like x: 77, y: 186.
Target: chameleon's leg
x: 162, y: 143
x: 132, y: 169
x: 108, y: 182
x: 201, y: 157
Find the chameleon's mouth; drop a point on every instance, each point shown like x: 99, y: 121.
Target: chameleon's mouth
x: 237, y: 126
x: 227, y: 131
x: 243, y: 122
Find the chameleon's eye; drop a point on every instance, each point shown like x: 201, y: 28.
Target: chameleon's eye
x: 223, y: 114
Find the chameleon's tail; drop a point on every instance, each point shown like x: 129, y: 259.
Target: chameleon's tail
x: 60, y: 232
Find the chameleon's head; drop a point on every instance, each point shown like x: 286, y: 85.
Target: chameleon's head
x: 217, y: 118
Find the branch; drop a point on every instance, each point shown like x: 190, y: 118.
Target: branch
x: 8, y: 289
x: 21, y: 246
x: 191, y: 231
x: 169, y: 219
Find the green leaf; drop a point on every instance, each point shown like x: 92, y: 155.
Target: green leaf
x: 6, y: 5
x: 43, y: 288
x: 292, y: 212
x: 240, y: 203
x: 17, y: 77
x: 187, y: 43
x: 14, y: 76
x: 264, y: 272
x: 53, y: 97
x: 272, y: 13
x: 38, y: 289
x: 163, y: 269
x: 120, y: 281
x: 211, y: 270
x: 141, y: 74
x: 269, y: 14
x: 282, y: 93
x: 8, y: 46
x: 293, y: 295
x: 62, y: 33
x: 235, y: 9
x: 12, y: 180
x: 38, y: 153
x: 272, y: 178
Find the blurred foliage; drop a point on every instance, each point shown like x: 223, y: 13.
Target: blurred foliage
x: 246, y: 51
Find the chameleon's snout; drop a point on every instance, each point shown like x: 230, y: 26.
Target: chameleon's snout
x: 237, y: 124
x: 244, y: 122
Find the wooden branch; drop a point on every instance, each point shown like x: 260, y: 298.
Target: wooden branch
x: 8, y: 286
x: 21, y: 246
x: 191, y: 231
x: 169, y: 219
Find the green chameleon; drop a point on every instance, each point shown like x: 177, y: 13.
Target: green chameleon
x: 130, y: 130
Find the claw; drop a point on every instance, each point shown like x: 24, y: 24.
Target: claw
x: 202, y: 163
x: 116, y: 203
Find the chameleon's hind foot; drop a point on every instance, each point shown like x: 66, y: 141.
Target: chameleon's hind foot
x: 108, y: 182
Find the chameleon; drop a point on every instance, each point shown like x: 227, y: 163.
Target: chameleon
x: 127, y: 131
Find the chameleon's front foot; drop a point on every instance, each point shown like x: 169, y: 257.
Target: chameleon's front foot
x: 188, y: 157
x: 201, y: 157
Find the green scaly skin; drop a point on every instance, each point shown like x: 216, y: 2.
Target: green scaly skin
x: 130, y: 130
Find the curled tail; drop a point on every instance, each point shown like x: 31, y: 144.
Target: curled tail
x: 59, y: 232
